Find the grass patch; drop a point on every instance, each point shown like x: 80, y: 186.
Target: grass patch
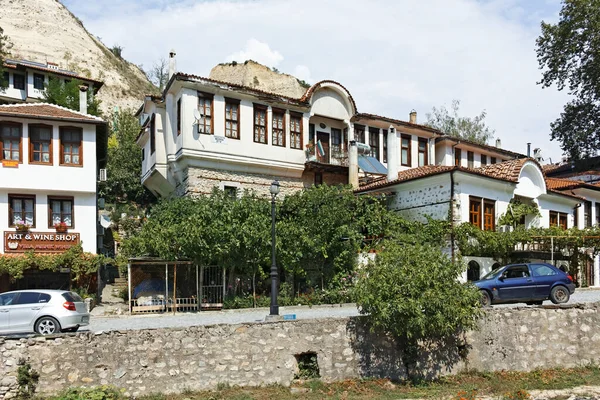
x: 504, y: 384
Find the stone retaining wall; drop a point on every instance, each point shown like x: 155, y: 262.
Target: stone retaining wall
x: 172, y: 360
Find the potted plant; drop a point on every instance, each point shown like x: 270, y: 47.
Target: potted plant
x: 309, y: 150
x: 61, y: 226
x: 22, y: 226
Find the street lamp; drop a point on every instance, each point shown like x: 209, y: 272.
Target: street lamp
x: 274, y: 276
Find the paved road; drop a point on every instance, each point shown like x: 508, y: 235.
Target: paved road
x: 256, y: 315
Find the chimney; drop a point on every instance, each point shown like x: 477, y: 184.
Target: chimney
x: 353, y: 164
x: 528, y: 150
x: 498, y: 143
x: 412, y: 117
x: 172, y: 63
x: 392, y: 154
x: 83, y: 99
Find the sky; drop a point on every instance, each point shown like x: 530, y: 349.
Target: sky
x: 392, y: 55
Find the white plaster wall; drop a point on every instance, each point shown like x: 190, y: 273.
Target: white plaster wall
x: 55, y: 177
x: 485, y: 266
x: 554, y: 202
x: 84, y: 214
x: 11, y: 92
x: 31, y: 91
x: 443, y: 154
x: 469, y: 185
x: 429, y: 196
x: 329, y: 102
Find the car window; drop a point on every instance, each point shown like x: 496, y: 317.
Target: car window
x: 28, y: 298
x: 542, y: 270
x: 72, y: 297
x: 44, y: 298
x: 518, y: 271
x: 492, y: 274
x: 7, y: 299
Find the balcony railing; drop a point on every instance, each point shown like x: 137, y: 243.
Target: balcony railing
x: 334, y: 155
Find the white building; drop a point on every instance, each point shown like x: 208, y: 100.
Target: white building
x: 27, y: 79
x: 49, y: 158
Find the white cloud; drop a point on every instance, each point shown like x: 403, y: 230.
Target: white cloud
x: 257, y: 51
x: 302, y: 72
x: 393, y: 57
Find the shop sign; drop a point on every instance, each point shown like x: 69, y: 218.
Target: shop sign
x: 45, y: 242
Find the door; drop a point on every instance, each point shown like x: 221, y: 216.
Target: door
x: 323, y: 138
x: 544, y: 276
x: 516, y: 283
x: 24, y: 311
x: 6, y: 303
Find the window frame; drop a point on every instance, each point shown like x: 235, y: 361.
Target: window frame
x: 299, y: 117
x: 152, y: 133
x: 61, y: 130
x: 278, y: 112
x: 178, y: 116
x: 483, y: 159
x: 563, y: 217
x: 385, y: 148
x: 36, y: 75
x: 70, y: 199
x: 31, y: 144
x: 374, y: 132
x: 260, y: 108
x: 210, y: 98
x: 597, y: 206
x: 318, y: 179
x: 22, y: 79
x: 553, y: 218
x: 476, y: 212
x: 425, y: 151
x: 13, y: 124
x: 359, y: 133
x: 492, y: 225
x: 237, y: 104
x: 587, y: 214
x: 470, y: 159
x: 493, y: 160
x: 408, y: 150
x: 15, y: 196
x: 457, y: 157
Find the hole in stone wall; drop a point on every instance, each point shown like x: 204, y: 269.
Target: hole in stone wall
x: 308, y: 366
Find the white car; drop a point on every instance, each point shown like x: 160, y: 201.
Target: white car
x: 42, y: 311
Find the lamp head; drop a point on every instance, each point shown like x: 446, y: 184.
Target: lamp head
x: 274, y: 188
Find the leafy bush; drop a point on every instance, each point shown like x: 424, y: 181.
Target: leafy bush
x: 27, y: 380
x: 96, y: 393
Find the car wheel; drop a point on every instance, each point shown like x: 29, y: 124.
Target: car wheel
x: 559, y: 295
x: 47, y: 326
x: 486, y: 300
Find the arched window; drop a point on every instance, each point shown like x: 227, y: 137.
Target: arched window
x: 495, y: 266
x: 473, y: 271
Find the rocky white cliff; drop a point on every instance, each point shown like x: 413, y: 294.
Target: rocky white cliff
x: 46, y: 31
x: 258, y: 76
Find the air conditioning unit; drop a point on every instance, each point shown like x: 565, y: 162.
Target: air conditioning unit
x: 102, y: 175
x: 505, y: 228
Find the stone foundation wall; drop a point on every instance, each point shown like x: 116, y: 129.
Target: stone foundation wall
x: 172, y: 360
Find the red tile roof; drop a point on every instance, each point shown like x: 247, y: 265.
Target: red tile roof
x: 46, y: 111
x: 565, y: 184
x: 361, y: 116
x: 508, y: 170
x: 306, y: 97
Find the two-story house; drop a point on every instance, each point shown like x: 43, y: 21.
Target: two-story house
x: 27, y: 80
x: 49, y: 161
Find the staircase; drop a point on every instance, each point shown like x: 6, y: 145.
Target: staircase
x: 112, y: 302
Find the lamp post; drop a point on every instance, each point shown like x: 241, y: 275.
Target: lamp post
x: 274, y: 275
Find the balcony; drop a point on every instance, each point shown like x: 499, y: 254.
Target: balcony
x: 333, y: 155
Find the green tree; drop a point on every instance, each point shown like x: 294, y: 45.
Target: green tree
x: 5, y: 46
x: 124, y: 163
x: 567, y: 52
x: 67, y: 95
x: 451, y: 123
x: 412, y: 292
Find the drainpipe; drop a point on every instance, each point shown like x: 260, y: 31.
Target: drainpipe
x: 451, y: 214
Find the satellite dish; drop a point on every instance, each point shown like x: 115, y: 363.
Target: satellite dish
x: 197, y: 115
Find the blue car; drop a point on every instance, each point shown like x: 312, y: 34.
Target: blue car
x: 525, y: 283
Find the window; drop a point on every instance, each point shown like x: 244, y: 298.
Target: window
x: 8, y: 298
x: 519, y: 271
x: 205, y: 107
x: 21, y: 210
x: 38, y: 81
x: 10, y: 143
x: 260, y: 124
x: 296, y: 131
x: 60, y: 209
x: 457, y: 157
x: 40, y: 144
x: 475, y: 211
x: 562, y: 221
x: 598, y: 214
x: 558, y: 219
x: 374, y: 142
x: 232, y: 118
x: 153, y: 134
x: 28, y: 298
x: 143, y: 154
x: 405, y: 150
x: 71, y: 146
x: 483, y: 160
x: 19, y: 81
x: 423, y: 152
x: 311, y: 133
x: 470, y: 158
x: 318, y: 178
x: 231, y: 191
x: 587, y: 214
x: 576, y: 217
x: 493, y: 160
x: 476, y: 205
x: 385, y: 134
x: 6, y: 78
x: 278, y: 125
x: 336, y: 142
x: 489, y: 215
x: 542, y: 270
x: 359, y: 133
x: 179, y: 117
x: 553, y: 218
